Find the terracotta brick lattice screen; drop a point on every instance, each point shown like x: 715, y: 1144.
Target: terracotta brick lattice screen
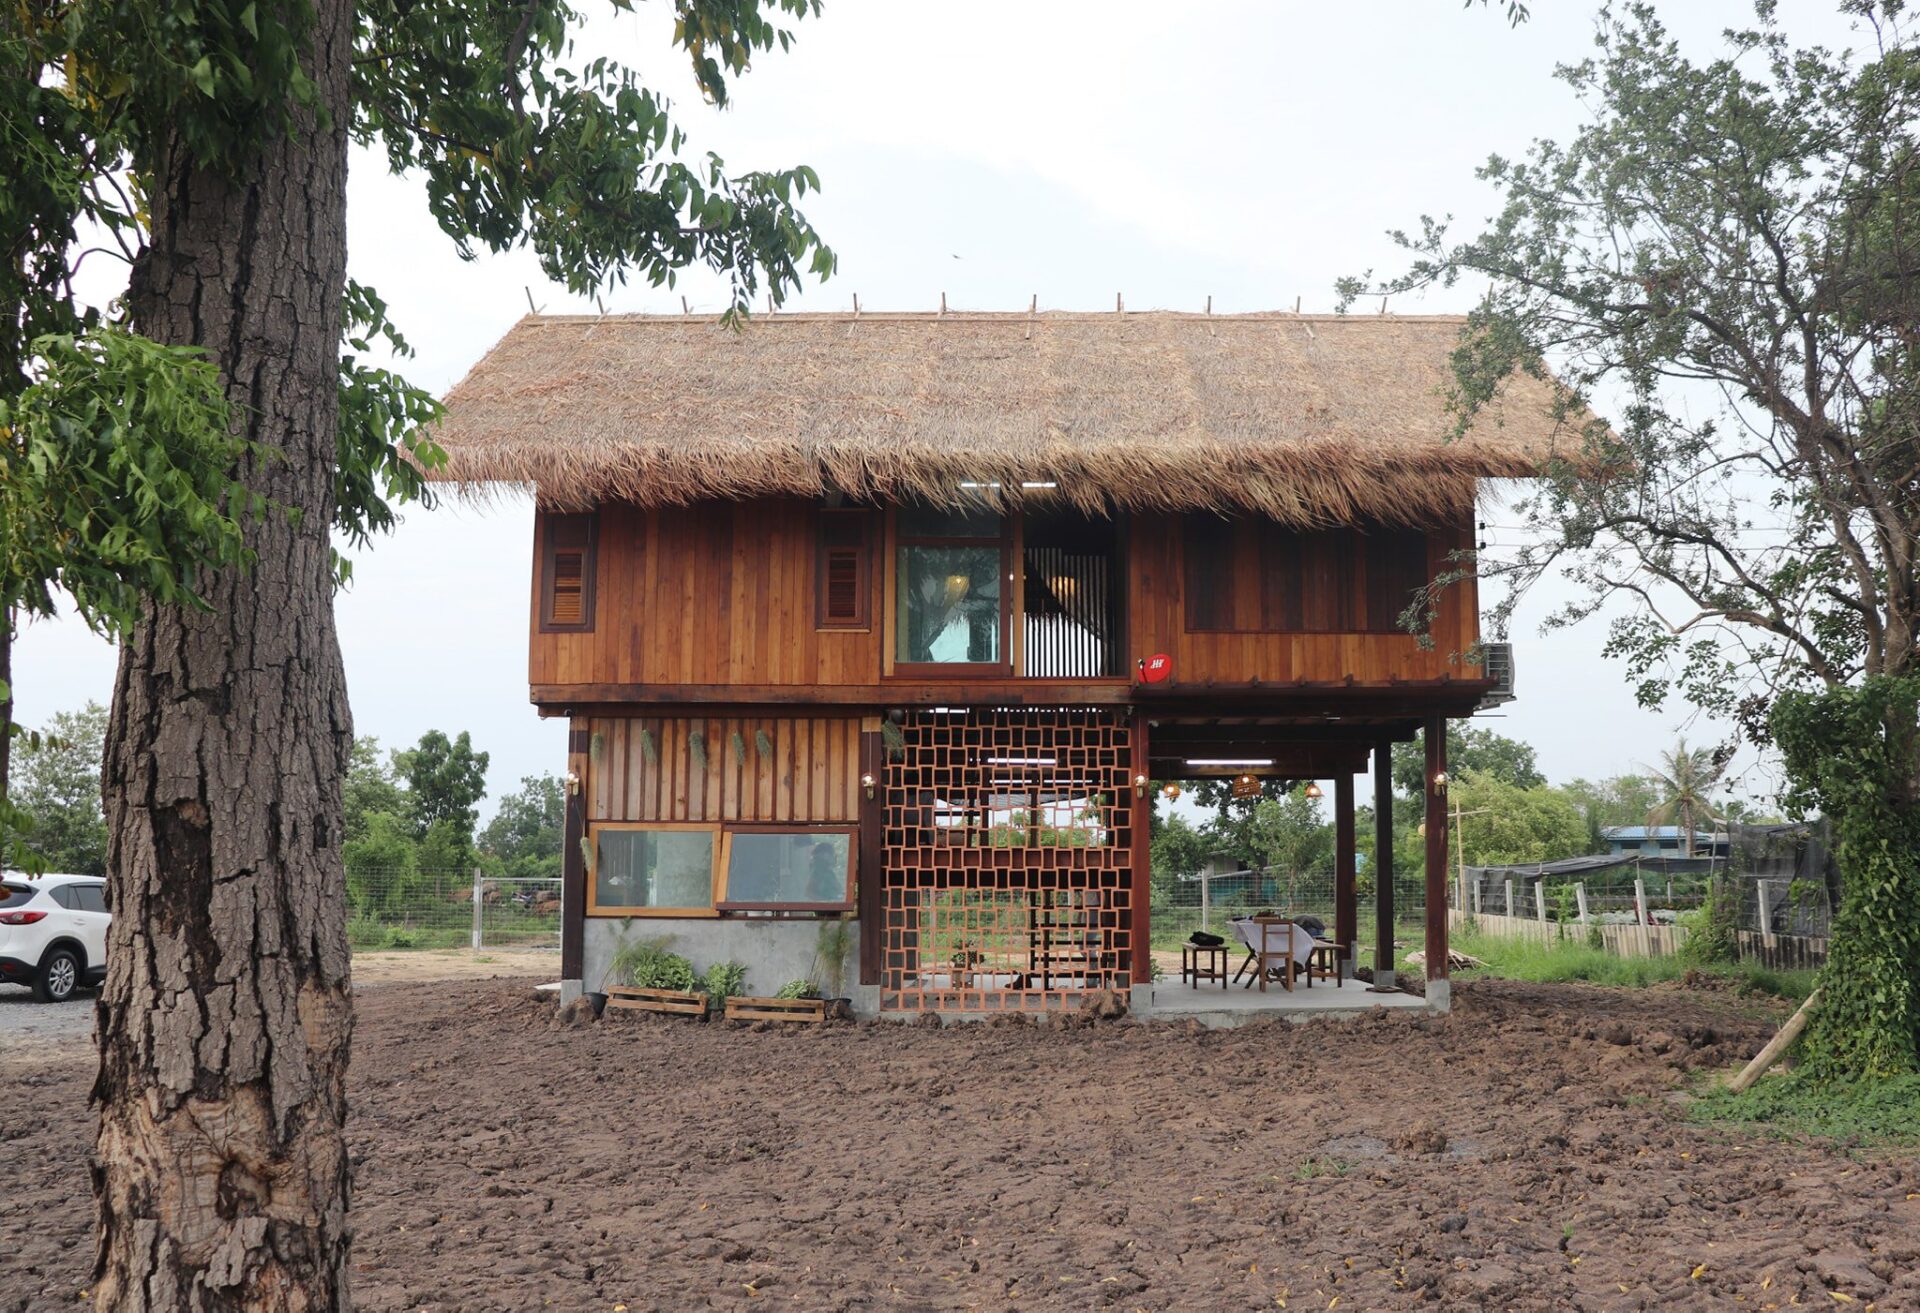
x: 1008, y: 860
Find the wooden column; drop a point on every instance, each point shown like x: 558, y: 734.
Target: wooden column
x: 1141, y: 901
x: 870, y: 897
x: 1436, y: 946
x: 1383, y: 865
x: 573, y: 860
x: 1346, y: 909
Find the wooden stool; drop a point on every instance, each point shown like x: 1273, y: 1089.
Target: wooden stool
x: 1324, y: 962
x: 1213, y: 955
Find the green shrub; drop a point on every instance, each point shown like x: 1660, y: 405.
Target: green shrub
x: 1712, y: 928
x: 722, y: 981
x: 797, y: 989
x: 646, y: 964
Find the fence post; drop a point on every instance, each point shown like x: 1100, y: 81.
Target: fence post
x: 478, y: 901
x: 1580, y: 899
x: 1508, y: 909
x: 1761, y: 893
x: 1540, y: 901
x: 1473, y: 894
x: 1206, y: 901
x: 1640, y: 915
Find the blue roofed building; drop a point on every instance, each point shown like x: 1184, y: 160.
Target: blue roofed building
x: 1661, y: 841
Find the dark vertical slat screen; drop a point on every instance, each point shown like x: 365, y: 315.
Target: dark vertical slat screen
x: 1072, y: 615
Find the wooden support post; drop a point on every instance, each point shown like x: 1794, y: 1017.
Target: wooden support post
x: 1580, y: 899
x: 479, y: 900
x: 573, y: 859
x: 1507, y: 908
x: 1540, y: 901
x: 1769, y: 1055
x: 1346, y: 908
x: 1439, y: 987
x: 870, y: 881
x: 1641, y: 916
x: 1763, y: 894
x: 1383, y: 866
x: 1141, y: 954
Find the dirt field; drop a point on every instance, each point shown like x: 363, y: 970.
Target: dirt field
x: 1526, y: 1152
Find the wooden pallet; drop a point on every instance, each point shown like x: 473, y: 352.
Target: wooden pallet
x: 657, y: 1000
x: 743, y: 1007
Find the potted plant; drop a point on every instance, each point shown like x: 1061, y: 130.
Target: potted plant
x: 645, y: 964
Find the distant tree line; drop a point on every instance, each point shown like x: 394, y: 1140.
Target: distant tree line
x: 1508, y: 812
x: 408, y: 812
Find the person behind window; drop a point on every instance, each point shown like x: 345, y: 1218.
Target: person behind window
x: 826, y: 874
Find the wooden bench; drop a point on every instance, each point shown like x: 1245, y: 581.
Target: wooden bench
x: 744, y: 1007
x: 678, y: 1002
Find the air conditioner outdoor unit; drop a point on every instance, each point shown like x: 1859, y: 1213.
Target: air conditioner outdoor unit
x: 1496, y: 661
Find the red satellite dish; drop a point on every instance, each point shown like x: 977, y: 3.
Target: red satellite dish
x: 1157, y: 669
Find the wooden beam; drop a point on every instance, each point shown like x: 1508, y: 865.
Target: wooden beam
x: 1383, y: 865
x: 1346, y: 910
x: 1436, y: 796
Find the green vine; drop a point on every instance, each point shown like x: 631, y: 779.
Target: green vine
x: 1850, y: 753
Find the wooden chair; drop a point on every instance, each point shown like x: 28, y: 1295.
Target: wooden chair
x: 1270, y: 942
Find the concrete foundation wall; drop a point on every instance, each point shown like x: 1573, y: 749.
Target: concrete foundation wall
x: 773, y: 951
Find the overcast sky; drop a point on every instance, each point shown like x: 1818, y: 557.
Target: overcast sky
x: 994, y: 150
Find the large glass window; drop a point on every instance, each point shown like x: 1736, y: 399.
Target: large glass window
x: 799, y: 870
x: 657, y: 870
x: 950, y: 603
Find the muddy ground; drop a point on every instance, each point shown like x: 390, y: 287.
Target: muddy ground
x: 1526, y: 1152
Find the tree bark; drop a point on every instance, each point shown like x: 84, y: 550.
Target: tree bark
x: 221, y: 1170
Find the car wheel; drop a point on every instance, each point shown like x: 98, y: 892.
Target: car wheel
x: 59, y: 977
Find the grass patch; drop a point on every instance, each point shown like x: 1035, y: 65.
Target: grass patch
x: 1573, y: 961
x: 1869, y: 1113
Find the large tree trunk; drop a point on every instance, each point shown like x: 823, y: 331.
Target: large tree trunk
x: 221, y: 1171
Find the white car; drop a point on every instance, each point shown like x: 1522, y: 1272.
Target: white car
x: 53, y: 933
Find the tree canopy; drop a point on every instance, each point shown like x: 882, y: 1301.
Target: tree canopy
x: 1725, y: 258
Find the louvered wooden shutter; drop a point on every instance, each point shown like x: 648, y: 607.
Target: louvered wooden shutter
x: 844, y: 579
x: 567, y: 574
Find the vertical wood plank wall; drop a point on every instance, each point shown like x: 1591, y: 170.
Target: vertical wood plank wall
x: 723, y: 593
x: 1157, y: 620
x: 812, y: 773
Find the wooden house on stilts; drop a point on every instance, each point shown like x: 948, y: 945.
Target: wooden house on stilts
x: 890, y: 619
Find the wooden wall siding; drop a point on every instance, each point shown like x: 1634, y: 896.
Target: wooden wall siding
x: 711, y: 594
x: 812, y: 773
x: 723, y: 595
x: 1157, y: 623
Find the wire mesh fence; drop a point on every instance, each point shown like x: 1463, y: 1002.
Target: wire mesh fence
x: 1210, y: 902
x: 390, y: 907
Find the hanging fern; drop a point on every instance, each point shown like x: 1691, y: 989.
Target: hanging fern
x: 896, y: 741
x: 697, y: 748
x: 739, y: 746
x: 762, y: 743
x: 648, y: 748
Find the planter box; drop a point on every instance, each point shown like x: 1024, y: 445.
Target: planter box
x: 678, y: 1002
x: 744, y: 1007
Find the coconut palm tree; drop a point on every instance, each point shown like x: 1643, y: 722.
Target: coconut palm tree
x: 1686, y: 778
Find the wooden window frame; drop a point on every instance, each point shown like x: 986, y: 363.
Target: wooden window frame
x: 934, y: 670
x: 843, y: 907
x: 588, y: 525
x: 861, y: 520
x: 716, y: 885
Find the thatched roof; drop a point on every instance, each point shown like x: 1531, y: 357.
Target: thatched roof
x: 1309, y: 419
